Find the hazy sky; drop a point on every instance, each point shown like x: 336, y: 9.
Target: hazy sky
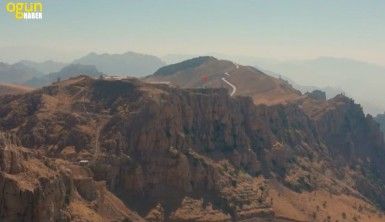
x: 294, y: 29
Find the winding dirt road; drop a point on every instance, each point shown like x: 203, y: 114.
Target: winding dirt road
x: 231, y: 85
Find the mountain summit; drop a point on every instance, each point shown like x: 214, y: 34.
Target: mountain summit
x: 209, y: 72
x: 185, y: 65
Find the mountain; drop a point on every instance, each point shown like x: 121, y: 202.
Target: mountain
x: 352, y: 76
x: 209, y: 72
x: 17, y: 73
x: 13, y: 89
x: 380, y: 118
x: 65, y: 73
x: 126, y: 64
x: 89, y: 149
x: 46, y: 67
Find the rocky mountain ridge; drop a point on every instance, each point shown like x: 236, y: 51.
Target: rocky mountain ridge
x: 209, y: 72
x: 175, y: 154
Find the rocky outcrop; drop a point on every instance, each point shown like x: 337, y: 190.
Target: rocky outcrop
x: 353, y: 140
x: 36, y: 188
x: 30, y: 190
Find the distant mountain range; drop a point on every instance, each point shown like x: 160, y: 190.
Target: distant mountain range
x: 329, y: 91
x: 126, y: 64
x: 25, y: 70
x: 17, y: 73
x: 359, y: 80
x: 67, y: 72
x: 362, y: 81
x: 44, y: 67
x: 43, y: 73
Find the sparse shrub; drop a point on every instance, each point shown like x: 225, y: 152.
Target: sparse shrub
x: 225, y: 167
x: 344, y: 215
x: 324, y: 204
x: 360, y: 208
x: 234, y: 183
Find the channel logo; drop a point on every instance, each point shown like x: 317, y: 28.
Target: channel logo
x: 26, y: 10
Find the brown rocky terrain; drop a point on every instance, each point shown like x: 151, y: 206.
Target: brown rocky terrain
x: 38, y: 188
x: 13, y: 89
x: 125, y: 150
x: 209, y: 72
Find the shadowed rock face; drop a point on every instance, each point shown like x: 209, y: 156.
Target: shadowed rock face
x: 380, y: 118
x: 197, y: 154
x: 37, y: 188
x: 317, y: 95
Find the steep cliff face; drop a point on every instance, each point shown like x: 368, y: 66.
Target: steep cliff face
x: 36, y: 188
x: 199, y: 154
x: 354, y: 141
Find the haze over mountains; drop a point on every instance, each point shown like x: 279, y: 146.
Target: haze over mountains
x: 126, y: 64
x: 345, y: 75
x: 43, y: 73
x: 66, y: 72
x: 332, y: 75
x: 17, y: 73
x: 44, y: 67
x: 362, y: 81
